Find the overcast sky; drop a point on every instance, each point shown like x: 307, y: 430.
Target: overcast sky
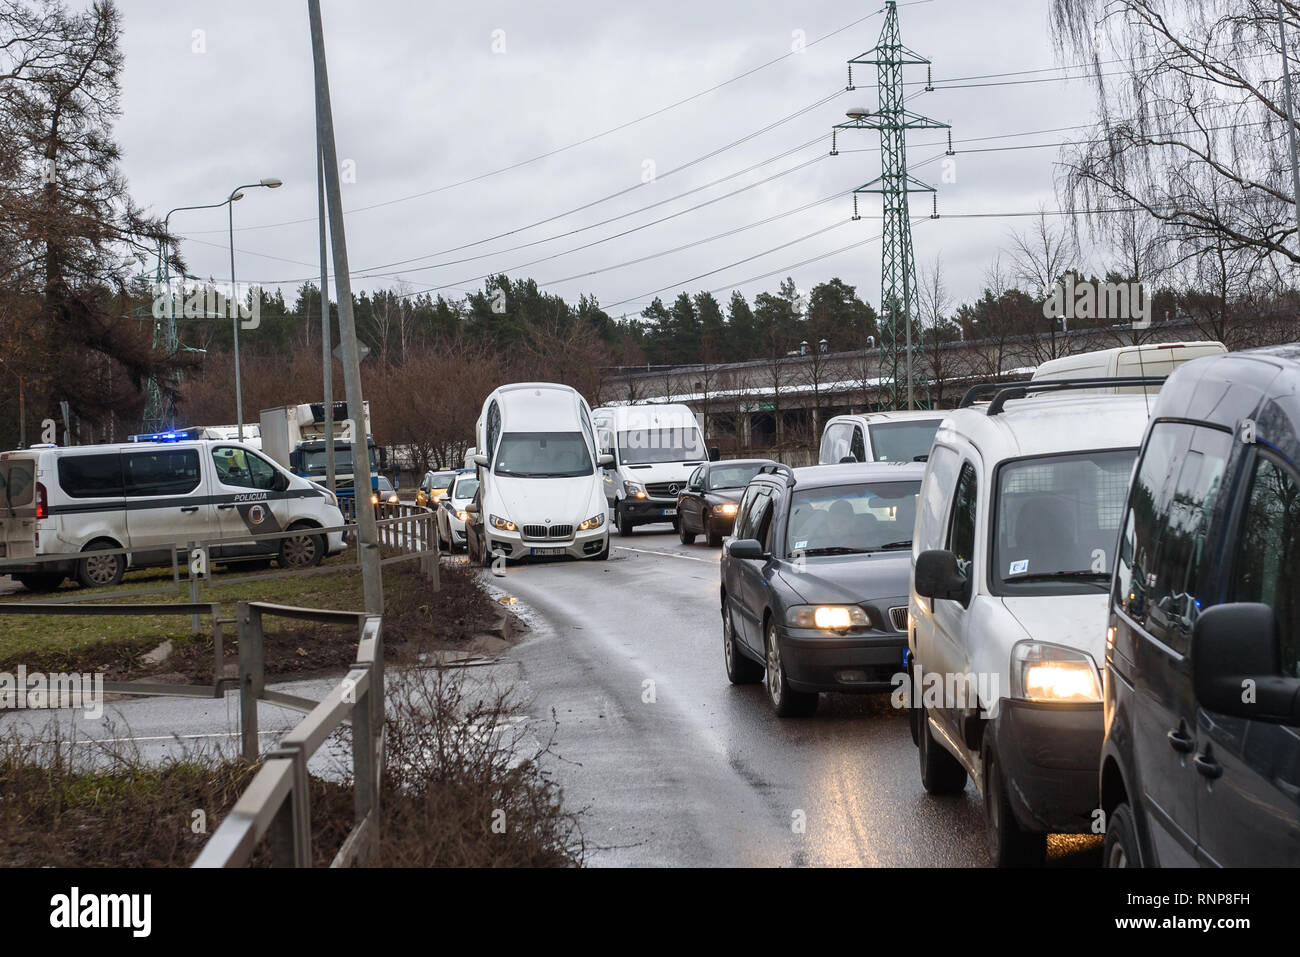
x: 422, y: 101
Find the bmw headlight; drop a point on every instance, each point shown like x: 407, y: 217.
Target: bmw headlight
x: 827, y: 617
x: 594, y: 522
x: 634, y: 489
x: 1043, y: 672
x: 501, y: 524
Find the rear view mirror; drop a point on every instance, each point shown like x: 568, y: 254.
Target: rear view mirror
x: 937, y: 576
x: 471, y: 508
x: 746, y: 548
x: 481, y: 460
x: 1237, y: 665
x: 847, y: 460
x: 715, y: 454
x: 606, y: 460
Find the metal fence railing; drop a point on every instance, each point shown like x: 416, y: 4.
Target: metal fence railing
x: 276, y: 804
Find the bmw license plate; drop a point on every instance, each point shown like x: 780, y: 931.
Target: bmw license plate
x: 669, y: 512
x: 546, y: 551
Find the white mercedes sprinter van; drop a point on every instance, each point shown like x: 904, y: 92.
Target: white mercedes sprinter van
x: 151, y: 497
x: 655, y: 448
x: 539, y: 477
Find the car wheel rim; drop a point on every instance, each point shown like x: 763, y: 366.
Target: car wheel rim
x: 726, y: 638
x: 773, y: 668
x: 101, y: 570
x: 1117, y: 856
x: 299, y: 551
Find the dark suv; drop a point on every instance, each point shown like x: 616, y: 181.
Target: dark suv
x: 1201, y: 760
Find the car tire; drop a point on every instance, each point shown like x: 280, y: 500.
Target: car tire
x: 741, y: 669
x: 711, y: 535
x: 687, y: 538
x: 604, y: 552
x: 913, y: 706
x: 1121, y: 846
x: 623, y: 521
x: 102, y: 571
x: 301, y: 551
x: 41, y: 581
x: 941, y: 773
x: 1010, y: 845
x: 785, y: 701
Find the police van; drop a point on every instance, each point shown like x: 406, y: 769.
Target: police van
x: 148, y: 497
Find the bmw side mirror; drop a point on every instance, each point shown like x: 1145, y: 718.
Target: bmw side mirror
x: 715, y: 454
x: 606, y: 460
x: 1237, y: 665
x: 746, y: 548
x: 937, y: 576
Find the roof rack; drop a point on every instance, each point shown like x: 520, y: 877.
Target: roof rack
x: 777, y: 468
x: 985, y: 390
x: 1022, y: 389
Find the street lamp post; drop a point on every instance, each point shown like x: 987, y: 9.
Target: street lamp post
x: 270, y: 183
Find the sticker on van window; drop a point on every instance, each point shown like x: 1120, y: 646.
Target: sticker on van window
x: 1020, y: 567
x: 803, y: 544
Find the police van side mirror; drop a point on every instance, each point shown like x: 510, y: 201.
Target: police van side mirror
x: 1237, y: 665
x: 937, y: 576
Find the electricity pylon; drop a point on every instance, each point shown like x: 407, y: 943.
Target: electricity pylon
x: 160, y: 396
x: 897, y: 263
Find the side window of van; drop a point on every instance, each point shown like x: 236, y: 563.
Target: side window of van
x: 493, y: 429
x: 835, y: 443
x: 236, y: 467
x: 170, y: 472
x: 1181, y: 564
x: 961, y: 529
x: 1268, y: 553
x: 858, y: 448
x: 943, y: 467
x: 91, y: 476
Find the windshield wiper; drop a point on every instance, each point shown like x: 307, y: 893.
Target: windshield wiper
x: 891, y: 545
x: 832, y: 550
x: 1095, y: 577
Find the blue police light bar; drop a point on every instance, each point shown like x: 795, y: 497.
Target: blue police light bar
x: 175, y: 435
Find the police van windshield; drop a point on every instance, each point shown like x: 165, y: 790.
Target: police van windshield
x: 543, y: 455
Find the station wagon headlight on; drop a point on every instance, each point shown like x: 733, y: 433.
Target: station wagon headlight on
x: 634, y: 489
x: 827, y: 617
x: 594, y: 522
x: 727, y: 508
x: 501, y: 524
x: 1043, y: 672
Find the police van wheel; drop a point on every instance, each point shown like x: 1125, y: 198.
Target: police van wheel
x: 101, y: 571
x: 40, y: 582
x: 302, y: 551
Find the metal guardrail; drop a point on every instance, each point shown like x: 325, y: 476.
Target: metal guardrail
x: 277, y: 805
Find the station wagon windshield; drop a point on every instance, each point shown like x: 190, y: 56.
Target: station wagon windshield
x: 543, y: 455
x: 902, y: 441
x: 849, y: 519
x: 1058, y: 520
x: 650, y: 446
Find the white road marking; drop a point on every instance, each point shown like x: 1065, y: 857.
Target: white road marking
x: 686, y: 558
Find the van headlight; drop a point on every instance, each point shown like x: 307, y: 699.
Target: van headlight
x: 594, y: 522
x: 634, y: 489
x: 1043, y: 672
x: 827, y: 617
x: 501, y: 524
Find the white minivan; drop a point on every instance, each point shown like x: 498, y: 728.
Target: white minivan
x: 903, y: 436
x: 1015, y: 537
x: 1151, y: 359
x: 151, y: 498
x: 538, y: 466
x: 655, y: 448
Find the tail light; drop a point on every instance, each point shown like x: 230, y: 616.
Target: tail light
x: 42, y: 508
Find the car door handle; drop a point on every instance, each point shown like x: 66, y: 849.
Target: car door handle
x: 1180, y: 741
x: 1207, y: 767
x: 226, y: 506
x: 189, y: 508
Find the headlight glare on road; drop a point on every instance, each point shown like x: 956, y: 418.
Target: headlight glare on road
x: 1043, y: 672
x: 727, y: 508
x: 594, y: 522
x: 827, y: 617
x: 501, y: 524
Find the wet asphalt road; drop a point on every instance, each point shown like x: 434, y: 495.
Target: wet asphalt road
x: 705, y: 773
